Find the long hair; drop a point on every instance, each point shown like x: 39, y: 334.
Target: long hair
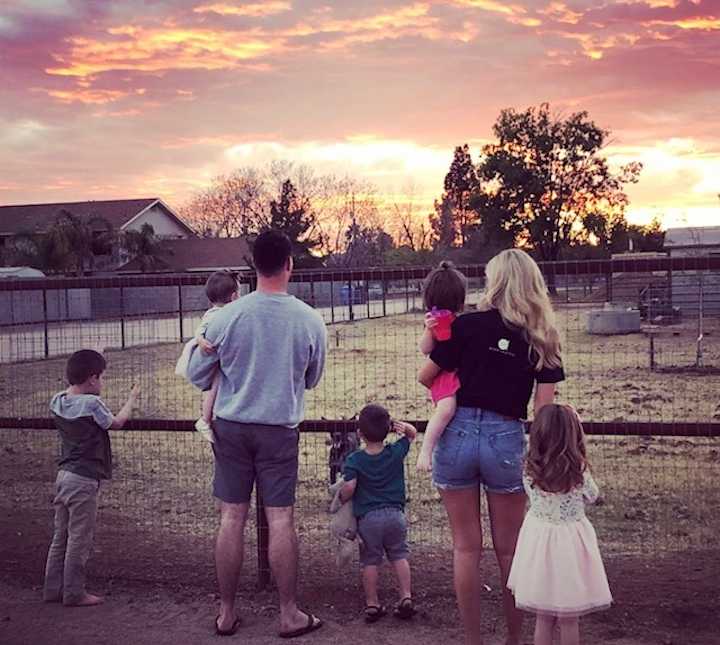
x: 445, y: 288
x: 556, y: 457
x: 517, y: 289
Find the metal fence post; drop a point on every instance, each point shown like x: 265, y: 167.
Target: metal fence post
x: 45, y: 323
x: 332, y: 301
x: 122, y: 318
x: 180, y: 311
x: 384, y: 298
x: 351, y: 295
x: 263, y: 558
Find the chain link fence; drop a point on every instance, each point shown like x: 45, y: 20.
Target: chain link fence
x: 650, y: 398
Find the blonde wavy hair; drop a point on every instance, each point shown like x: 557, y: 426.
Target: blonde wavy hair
x: 517, y: 289
x: 557, y: 459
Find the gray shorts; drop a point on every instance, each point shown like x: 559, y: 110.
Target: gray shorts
x: 383, y: 532
x: 245, y: 453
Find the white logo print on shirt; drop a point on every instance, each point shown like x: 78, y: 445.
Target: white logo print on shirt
x: 504, y: 344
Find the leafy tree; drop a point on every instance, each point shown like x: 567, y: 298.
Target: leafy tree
x: 443, y: 225
x: 461, y: 183
x: 366, y: 246
x: 70, y: 245
x: 289, y: 215
x: 145, y: 247
x: 545, y: 178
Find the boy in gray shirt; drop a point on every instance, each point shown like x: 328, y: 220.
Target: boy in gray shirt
x: 83, y: 421
x: 269, y: 348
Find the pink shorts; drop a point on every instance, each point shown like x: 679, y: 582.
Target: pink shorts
x: 445, y: 384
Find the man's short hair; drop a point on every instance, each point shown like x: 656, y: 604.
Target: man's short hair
x: 83, y: 364
x: 221, y: 286
x: 271, y: 251
x: 374, y: 422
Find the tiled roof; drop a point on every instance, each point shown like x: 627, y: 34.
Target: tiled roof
x: 37, y: 218
x: 200, y: 254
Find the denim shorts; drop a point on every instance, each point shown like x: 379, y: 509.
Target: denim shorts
x: 382, y: 532
x: 480, y: 447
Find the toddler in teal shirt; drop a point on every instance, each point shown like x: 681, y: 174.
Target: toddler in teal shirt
x: 375, y: 480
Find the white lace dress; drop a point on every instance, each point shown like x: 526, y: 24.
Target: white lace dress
x: 557, y: 569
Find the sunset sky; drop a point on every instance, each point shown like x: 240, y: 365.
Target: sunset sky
x: 108, y: 99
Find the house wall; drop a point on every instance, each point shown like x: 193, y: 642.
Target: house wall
x: 162, y: 223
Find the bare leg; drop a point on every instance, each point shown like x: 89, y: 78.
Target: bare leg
x: 569, y: 631
x: 402, y: 571
x: 463, y: 509
x: 370, y: 585
x: 208, y: 400
x: 443, y: 414
x: 229, y: 558
x: 283, y: 556
x: 544, y: 628
x: 506, y: 518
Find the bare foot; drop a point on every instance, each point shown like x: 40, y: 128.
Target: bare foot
x: 88, y: 600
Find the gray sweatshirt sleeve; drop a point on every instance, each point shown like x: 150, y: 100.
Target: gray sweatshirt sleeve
x: 316, y: 364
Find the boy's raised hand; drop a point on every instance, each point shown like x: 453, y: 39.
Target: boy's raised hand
x: 205, y: 345
x: 404, y: 429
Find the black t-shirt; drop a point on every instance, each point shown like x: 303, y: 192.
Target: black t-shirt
x: 493, y: 364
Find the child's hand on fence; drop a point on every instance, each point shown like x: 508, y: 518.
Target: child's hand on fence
x: 404, y: 429
x: 430, y: 321
x: 134, y: 392
x: 205, y: 345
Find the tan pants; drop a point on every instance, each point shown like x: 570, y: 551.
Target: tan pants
x: 75, y: 513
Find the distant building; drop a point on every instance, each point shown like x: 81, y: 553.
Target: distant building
x: 693, y: 240
x: 20, y: 272
x: 695, y: 291
x: 121, y: 214
x: 199, y: 254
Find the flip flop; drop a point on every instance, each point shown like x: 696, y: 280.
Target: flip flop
x: 313, y: 623
x: 237, y: 623
x: 373, y: 613
x: 405, y: 609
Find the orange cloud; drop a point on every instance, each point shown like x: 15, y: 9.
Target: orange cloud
x: 160, y: 49
x: 490, y: 5
x: 706, y: 23
x: 157, y: 49
x: 86, y: 96
x: 257, y: 10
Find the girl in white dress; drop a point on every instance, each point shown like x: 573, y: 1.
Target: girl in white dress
x: 557, y: 572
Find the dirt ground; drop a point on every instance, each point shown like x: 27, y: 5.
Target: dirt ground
x: 658, y: 602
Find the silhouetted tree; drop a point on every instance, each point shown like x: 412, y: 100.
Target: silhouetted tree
x: 545, y: 177
x: 289, y: 215
x: 461, y: 183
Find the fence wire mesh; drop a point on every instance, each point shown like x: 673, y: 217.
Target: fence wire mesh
x: 651, y: 399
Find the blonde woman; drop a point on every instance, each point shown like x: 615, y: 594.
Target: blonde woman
x: 502, y: 352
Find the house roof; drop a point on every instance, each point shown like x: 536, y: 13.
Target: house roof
x: 200, y: 254
x: 692, y: 236
x: 37, y: 218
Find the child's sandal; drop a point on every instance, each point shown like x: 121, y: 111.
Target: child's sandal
x: 373, y: 613
x: 405, y: 609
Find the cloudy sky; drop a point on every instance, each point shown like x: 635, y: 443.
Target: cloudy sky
x: 134, y: 98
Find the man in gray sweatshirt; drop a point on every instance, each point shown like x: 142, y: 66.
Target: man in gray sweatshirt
x: 269, y: 347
